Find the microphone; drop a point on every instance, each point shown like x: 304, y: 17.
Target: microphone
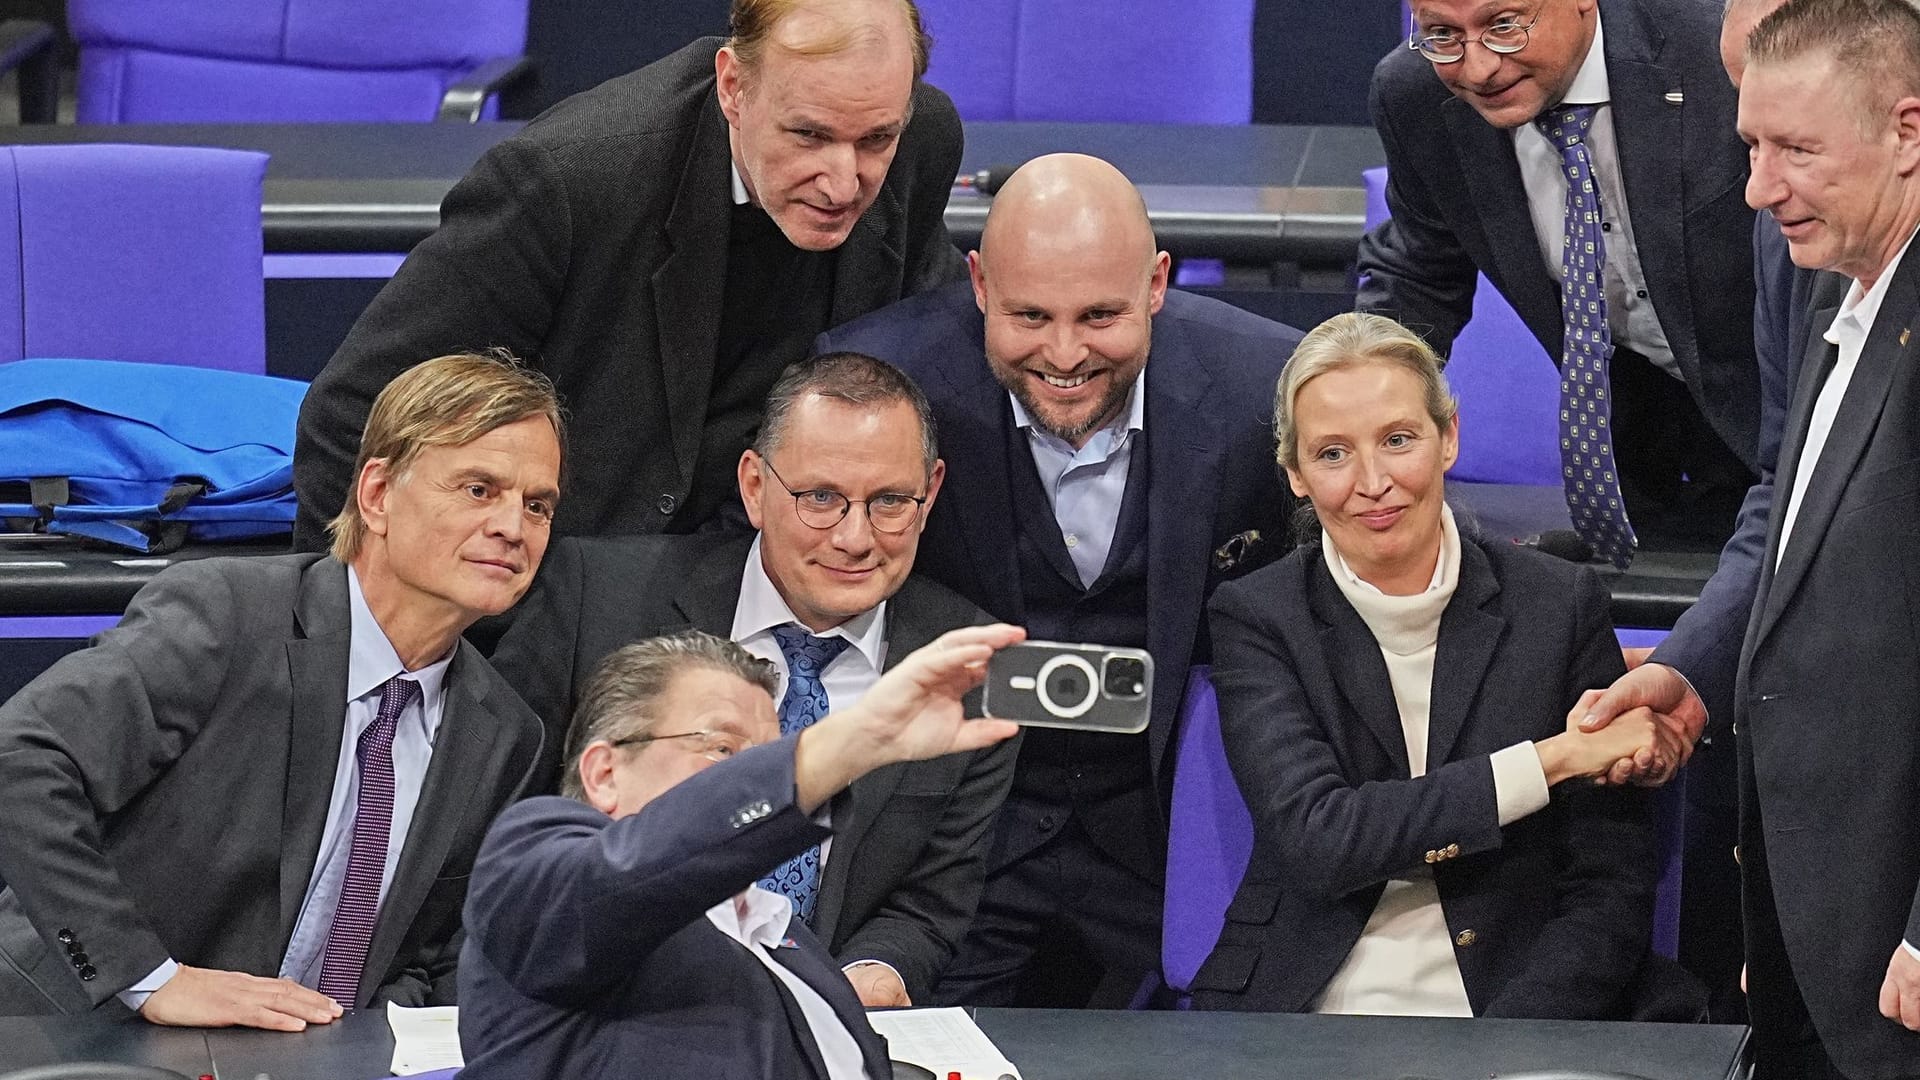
x: 1561, y: 544
x: 986, y: 181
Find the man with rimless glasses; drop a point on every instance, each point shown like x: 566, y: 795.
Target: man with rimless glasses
x: 837, y: 484
x: 1635, y: 276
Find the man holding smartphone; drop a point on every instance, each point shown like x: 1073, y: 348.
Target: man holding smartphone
x: 838, y: 484
x: 1091, y: 503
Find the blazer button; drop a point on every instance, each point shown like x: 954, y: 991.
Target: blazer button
x: 87, y: 973
x: 65, y: 936
x: 1465, y: 938
x: 1451, y: 851
x: 1432, y: 857
x: 667, y: 504
x: 79, y: 959
x: 1736, y: 854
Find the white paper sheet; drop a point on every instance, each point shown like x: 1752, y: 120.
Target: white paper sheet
x: 942, y: 1041
x: 424, y: 1039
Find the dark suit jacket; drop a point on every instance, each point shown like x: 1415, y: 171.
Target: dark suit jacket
x: 1830, y: 671
x: 1458, y: 205
x: 1219, y: 509
x: 908, y: 858
x: 1552, y: 915
x: 589, y: 954
x: 165, y: 791
x: 593, y: 244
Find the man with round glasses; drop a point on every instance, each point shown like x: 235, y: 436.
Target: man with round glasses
x: 837, y: 484
x: 1635, y: 274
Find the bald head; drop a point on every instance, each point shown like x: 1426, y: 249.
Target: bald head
x: 1069, y: 280
x: 1735, y: 27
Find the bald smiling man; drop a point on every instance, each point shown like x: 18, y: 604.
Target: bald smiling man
x: 1073, y: 392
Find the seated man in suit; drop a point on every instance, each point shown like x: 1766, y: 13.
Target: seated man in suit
x: 1484, y: 116
x: 664, y: 244
x: 630, y: 930
x: 838, y: 484
x: 1059, y: 444
x: 256, y: 800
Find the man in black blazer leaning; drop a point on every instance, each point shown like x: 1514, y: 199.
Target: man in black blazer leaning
x: 1828, y: 668
x: 284, y: 766
x: 1087, y: 489
x: 601, y: 243
x: 1475, y: 184
x: 838, y: 484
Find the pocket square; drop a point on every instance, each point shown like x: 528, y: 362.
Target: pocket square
x: 1235, y: 550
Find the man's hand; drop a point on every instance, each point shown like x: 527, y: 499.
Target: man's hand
x: 912, y: 713
x: 203, y: 997
x: 1674, y: 704
x: 1900, y: 993
x: 879, y: 986
x: 1635, y: 655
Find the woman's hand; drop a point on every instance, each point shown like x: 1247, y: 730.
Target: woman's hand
x: 1591, y: 753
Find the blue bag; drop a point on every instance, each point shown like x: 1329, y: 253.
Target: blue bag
x: 146, y: 456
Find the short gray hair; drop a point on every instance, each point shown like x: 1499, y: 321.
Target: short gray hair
x: 620, y: 700
x: 849, y: 377
x: 1875, y: 42
x: 1347, y: 339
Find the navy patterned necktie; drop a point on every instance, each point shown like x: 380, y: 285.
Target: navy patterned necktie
x: 359, y: 904
x: 1587, y: 466
x: 798, y: 879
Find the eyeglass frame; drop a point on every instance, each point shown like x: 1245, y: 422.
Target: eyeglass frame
x: 846, y: 504
x: 706, y: 733
x: 1526, y: 39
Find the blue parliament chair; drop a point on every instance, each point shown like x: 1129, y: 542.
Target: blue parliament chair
x: 1126, y: 61
x: 1509, y: 389
x: 144, y: 253
x: 293, y: 61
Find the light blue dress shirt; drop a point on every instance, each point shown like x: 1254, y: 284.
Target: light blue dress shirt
x: 1086, y: 486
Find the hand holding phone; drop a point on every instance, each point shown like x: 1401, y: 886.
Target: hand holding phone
x: 1084, y: 687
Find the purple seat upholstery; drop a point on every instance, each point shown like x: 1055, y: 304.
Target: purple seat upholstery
x: 243, y: 61
x: 1509, y: 390
x: 1209, y: 838
x: 1124, y: 61
x: 147, y: 253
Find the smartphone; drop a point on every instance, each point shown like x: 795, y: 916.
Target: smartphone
x: 1087, y: 687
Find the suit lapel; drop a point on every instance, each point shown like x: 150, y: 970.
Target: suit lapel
x: 712, y: 591
x: 1493, y: 179
x: 317, y: 668
x: 1818, y: 363
x: 808, y: 964
x: 870, y: 267
x: 1359, y: 671
x: 1645, y: 129
x: 1470, y: 631
x: 687, y: 306
x: 1183, y: 479
x: 977, y: 504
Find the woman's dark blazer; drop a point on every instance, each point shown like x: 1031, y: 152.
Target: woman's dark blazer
x: 1551, y: 916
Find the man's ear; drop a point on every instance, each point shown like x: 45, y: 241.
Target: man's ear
x: 729, y: 83
x: 934, y: 481
x: 751, y: 477
x: 979, y: 278
x: 596, y: 767
x: 370, y: 490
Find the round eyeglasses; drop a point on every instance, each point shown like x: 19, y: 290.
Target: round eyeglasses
x: 823, y: 508
x: 713, y: 745
x: 1506, y: 37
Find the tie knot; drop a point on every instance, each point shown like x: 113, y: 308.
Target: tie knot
x: 1565, y: 126
x: 807, y: 656
x: 395, y: 695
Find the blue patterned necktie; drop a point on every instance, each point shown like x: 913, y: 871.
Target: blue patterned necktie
x: 1586, y: 432
x: 358, y: 908
x: 798, y: 879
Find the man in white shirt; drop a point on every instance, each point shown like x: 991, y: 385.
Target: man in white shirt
x: 1469, y: 113
x: 838, y: 484
x: 1830, y: 830
x: 590, y: 954
x: 255, y: 801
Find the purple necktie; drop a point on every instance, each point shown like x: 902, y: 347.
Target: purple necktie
x: 359, y: 904
x: 1587, y: 466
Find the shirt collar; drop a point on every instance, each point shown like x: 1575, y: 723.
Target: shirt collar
x: 754, y: 916
x: 1861, y: 308
x: 740, y: 197
x: 372, y: 660
x: 761, y: 608
x: 1131, y: 419
x: 1590, y: 85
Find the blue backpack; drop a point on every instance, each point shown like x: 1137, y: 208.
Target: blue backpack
x: 146, y: 456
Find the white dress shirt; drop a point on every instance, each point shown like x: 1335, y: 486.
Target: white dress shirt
x: 371, y: 661
x: 1630, y: 315
x: 758, y: 919
x: 1086, y: 486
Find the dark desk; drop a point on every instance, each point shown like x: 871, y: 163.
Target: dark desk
x: 1046, y: 1044
x: 1254, y: 193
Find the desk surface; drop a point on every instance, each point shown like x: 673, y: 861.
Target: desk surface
x: 1256, y: 192
x: 1047, y: 1045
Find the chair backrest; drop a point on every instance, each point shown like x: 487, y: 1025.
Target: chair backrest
x: 148, y: 253
x: 243, y: 61
x: 1509, y: 390
x: 1123, y: 61
x: 1209, y: 838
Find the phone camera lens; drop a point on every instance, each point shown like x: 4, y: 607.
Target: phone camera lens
x: 1126, y: 677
